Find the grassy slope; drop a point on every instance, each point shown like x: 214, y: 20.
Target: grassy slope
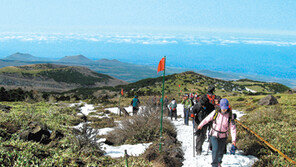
x: 64, y: 152
x: 276, y: 124
x: 189, y: 82
x: 65, y: 74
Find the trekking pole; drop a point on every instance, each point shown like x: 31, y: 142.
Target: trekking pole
x: 126, y: 156
x: 208, y: 141
x: 193, y: 135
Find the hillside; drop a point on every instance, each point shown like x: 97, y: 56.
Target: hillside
x: 127, y: 71
x: 24, y: 57
x: 121, y: 70
x: 190, y: 82
x: 76, y: 59
x: 52, y: 77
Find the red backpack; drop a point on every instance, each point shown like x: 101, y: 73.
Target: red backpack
x: 211, y: 98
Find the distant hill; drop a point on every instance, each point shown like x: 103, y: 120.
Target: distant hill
x: 24, y: 57
x: 132, y: 72
x: 190, y: 82
x: 76, y: 59
x: 52, y: 77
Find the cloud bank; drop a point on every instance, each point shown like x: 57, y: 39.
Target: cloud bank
x: 146, y: 39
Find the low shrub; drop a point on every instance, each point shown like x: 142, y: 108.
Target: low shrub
x: 141, y: 128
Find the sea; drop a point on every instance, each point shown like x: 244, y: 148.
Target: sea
x: 272, y: 57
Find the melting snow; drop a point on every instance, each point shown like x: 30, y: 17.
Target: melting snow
x: 129, y: 109
x: 250, y: 90
x: 185, y: 135
x: 118, y: 151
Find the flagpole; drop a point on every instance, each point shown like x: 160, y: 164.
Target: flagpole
x: 162, y: 105
x: 119, y: 105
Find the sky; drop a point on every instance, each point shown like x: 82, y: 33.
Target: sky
x: 158, y: 16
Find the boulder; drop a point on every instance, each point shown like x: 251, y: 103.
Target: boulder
x: 5, y: 108
x: 268, y: 100
x: 36, y: 132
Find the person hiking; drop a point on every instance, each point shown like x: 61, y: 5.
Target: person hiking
x: 173, y: 109
x: 217, y: 100
x: 201, y: 111
x: 165, y: 106
x: 211, y: 96
x: 217, y: 104
x: 223, y: 120
x: 187, y: 105
x: 135, y: 103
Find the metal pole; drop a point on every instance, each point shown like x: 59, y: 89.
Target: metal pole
x: 162, y: 106
x: 119, y: 105
x: 126, y: 156
x: 193, y: 136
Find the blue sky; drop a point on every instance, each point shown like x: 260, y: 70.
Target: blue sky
x: 246, y: 16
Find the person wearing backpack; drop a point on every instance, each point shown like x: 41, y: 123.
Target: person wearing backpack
x: 135, y: 103
x: 173, y: 109
x: 201, y: 111
x: 187, y: 105
x: 211, y: 96
x: 223, y: 120
x: 165, y: 106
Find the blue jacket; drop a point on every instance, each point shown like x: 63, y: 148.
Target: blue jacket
x: 135, y: 102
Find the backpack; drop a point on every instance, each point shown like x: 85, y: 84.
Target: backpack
x: 134, y: 102
x: 230, y: 115
x: 173, y: 106
x: 211, y: 98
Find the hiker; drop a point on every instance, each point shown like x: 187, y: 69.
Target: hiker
x: 211, y: 96
x: 165, y: 106
x: 135, y: 103
x: 173, y: 109
x: 153, y: 101
x: 217, y: 100
x: 187, y: 105
x: 223, y: 120
x: 217, y: 104
x: 201, y: 111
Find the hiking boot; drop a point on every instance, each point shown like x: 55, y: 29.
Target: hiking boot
x: 198, y: 152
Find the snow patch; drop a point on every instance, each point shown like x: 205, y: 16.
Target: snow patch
x: 118, y: 151
x: 105, y: 131
x: 129, y: 109
x: 250, y: 90
x: 185, y: 136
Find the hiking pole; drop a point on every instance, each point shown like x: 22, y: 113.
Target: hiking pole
x: 126, y: 156
x: 209, y: 141
x: 193, y: 135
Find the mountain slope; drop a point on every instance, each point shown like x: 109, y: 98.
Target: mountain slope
x: 52, y: 77
x: 189, y: 82
x: 24, y: 57
x: 76, y: 59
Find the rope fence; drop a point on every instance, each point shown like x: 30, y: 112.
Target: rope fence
x: 265, y: 142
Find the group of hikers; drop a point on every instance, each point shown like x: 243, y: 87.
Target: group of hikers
x: 210, y: 113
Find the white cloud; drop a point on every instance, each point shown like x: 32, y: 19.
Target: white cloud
x: 147, y: 39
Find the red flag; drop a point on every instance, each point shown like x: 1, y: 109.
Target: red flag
x: 122, y: 92
x: 161, y: 65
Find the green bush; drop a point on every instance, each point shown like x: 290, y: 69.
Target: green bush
x: 140, y: 129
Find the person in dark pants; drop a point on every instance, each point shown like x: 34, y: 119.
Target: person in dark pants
x: 200, y: 111
x: 173, y: 109
x: 165, y: 106
x: 187, y: 105
x: 223, y: 120
x: 135, y: 103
